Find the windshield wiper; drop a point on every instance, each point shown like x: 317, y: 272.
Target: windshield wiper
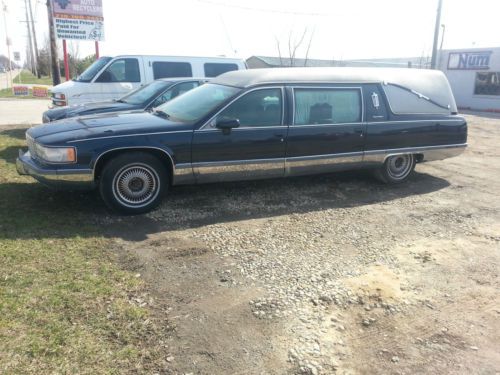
x: 160, y: 113
x: 120, y: 101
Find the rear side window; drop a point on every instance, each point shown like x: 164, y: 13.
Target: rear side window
x: 215, y: 69
x: 121, y: 70
x: 404, y: 101
x: 168, y: 69
x: 327, y: 106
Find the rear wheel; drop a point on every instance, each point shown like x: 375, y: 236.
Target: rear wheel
x: 133, y: 183
x: 396, y: 169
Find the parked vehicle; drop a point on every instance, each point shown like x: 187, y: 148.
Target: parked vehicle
x: 110, y: 78
x: 145, y: 98
x: 255, y: 124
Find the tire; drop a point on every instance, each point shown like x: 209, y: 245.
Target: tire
x: 133, y: 183
x: 396, y: 169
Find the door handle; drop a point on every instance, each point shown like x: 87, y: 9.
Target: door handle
x: 280, y: 136
x: 360, y: 132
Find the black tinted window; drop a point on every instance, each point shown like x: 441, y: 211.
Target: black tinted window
x: 121, y: 70
x: 215, y: 69
x: 168, y: 69
x: 257, y: 108
x: 175, y: 91
x: 487, y: 83
x: 93, y: 69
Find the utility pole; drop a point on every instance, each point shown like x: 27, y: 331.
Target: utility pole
x: 38, y: 74
x: 30, y: 41
x: 436, y: 35
x: 8, y: 42
x: 56, y: 72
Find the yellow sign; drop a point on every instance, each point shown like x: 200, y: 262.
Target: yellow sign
x: 40, y: 91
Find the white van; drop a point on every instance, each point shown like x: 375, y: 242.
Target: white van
x: 111, y: 77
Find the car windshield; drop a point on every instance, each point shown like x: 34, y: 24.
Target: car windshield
x: 89, y: 73
x: 196, y: 103
x: 145, y: 94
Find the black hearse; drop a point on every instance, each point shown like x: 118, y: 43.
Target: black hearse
x: 254, y: 124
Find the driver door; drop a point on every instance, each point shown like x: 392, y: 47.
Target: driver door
x: 255, y: 149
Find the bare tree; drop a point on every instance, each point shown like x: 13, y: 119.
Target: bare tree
x: 279, y: 50
x: 74, y: 57
x: 309, y: 47
x: 293, y: 46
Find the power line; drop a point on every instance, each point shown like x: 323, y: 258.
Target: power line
x: 252, y: 9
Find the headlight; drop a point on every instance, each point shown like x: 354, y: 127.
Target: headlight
x: 56, y: 154
x: 58, y: 95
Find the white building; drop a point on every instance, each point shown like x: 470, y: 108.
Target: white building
x: 474, y: 76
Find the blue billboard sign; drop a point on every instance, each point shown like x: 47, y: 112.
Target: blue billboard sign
x: 469, y: 60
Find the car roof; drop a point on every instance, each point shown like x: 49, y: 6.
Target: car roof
x: 182, y: 79
x: 430, y: 83
x: 253, y: 77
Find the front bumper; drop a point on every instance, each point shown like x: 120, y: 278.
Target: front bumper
x: 55, y: 177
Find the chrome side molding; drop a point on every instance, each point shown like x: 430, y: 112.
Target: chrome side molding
x: 239, y: 170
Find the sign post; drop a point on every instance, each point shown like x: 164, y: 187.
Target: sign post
x: 17, y: 58
x: 66, y: 62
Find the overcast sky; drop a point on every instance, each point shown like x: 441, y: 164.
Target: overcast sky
x: 342, y: 29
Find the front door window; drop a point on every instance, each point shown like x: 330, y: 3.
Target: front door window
x: 121, y: 70
x: 257, y: 108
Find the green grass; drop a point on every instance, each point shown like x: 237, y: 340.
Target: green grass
x: 66, y: 306
x: 27, y: 77
x: 7, y: 93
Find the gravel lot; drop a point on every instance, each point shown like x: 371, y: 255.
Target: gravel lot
x: 334, y: 274
x: 329, y: 274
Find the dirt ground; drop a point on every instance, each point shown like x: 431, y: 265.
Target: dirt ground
x: 330, y: 274
x: 333, y: 274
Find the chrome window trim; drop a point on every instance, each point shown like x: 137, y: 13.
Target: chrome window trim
x: 360, y: 88
x: 130, y: 135
x: 319, y: 125
x: 248, y: 128
x: 281, y: 87
x: 406, y: 121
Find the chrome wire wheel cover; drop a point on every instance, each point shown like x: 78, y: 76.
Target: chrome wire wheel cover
x: 136, y: 185
x: 399, y: 166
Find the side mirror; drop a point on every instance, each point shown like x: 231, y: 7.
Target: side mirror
x: 226, y: 124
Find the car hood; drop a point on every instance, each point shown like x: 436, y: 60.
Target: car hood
x: 88, y: 109
x: 65, y: 86
x: 79, y: 128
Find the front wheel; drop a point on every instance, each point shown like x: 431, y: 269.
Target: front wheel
x: 396, y: 169
x: 133, y: 183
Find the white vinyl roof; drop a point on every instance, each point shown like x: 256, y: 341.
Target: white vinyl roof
x: 430, y: 83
